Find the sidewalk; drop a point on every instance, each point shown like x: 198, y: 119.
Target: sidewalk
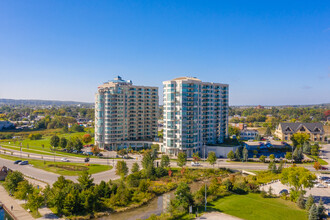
x: 18, y: 210
x: 217, y: 215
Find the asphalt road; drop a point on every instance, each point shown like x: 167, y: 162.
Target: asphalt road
x: 107, y: 175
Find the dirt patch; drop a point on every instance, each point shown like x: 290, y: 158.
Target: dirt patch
x: 69, y: 167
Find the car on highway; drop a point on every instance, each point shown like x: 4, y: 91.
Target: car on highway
x: 195, y: 164
x: 64, y: 159
x: 320, y: 186
x: 25, y: 162
x: 86, y: 159
x: 17, y: 161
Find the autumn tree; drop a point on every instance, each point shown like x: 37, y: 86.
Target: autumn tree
x: 87, y: 138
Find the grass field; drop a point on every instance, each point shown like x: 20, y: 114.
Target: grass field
x: 62, y: 168
x: 254, y: 207
x: 41, y: 146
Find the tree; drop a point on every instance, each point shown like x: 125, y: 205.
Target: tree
x: 86, y: 138
x: 298, y: 178
x: 315, y: 150
x: 196, y: 157
x: 182, y: 159
x: 245, y: 154
x: 135, y: 167
x: 313, y: 213
x: 183, y: 197
x: 268, y: 132
x: 63, y: 142
x: 95, y: 150
x: 238, y: 154
x: 317, y: 166
x: 55, y: 141
x: 212, y: 158
x: 24, y: 188
x: 309, y: 202
x: 298, y: 139
x: 301, y: 201
x: 231, y: 155
x: 147, y: 160
x: 288, y: 156
x: 320, y: 209
x: 85, y: 179
x: 121, y: 168
x: 77, y: 128
x: 77, y: 144
x: 233, y: 131
x: 12, y: 180
x: 306, y: 148
x: 262, y: 158
x: 35, y: 200
x: 61, y: 183
x: 272, y: 167
x: 165, y: 161
x: 298, y: 154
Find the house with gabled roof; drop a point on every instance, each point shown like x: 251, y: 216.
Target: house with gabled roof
x: 284, y: 131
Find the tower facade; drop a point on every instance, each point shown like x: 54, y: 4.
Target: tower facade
x: 195, y: 114
x: 125, y: 112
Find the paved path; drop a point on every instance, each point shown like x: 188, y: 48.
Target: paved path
x: 8, y: 201
x: 218, y: 216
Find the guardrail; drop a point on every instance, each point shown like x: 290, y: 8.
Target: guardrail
x: 9, y: 212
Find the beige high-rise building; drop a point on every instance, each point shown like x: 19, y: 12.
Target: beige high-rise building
x: 125, y: 114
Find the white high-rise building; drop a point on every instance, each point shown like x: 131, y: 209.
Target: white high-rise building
x: 125, y: 114
x: 195, y: 114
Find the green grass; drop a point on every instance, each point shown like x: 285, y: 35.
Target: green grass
x: 254, y: 207
x: 322, y: 162
x: 35, y: 146
x: 62, y: 168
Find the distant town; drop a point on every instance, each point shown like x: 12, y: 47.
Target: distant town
x: 195, y: 154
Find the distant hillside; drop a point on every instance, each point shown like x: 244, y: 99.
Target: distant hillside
x: 323, y: 105
x: 31, y: 102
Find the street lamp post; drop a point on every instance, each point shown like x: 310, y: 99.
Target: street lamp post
x: 205, y: 197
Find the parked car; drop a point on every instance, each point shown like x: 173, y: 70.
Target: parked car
x: 64, y: 159
x: 320, y: 186
x: 17, y: 161
x: 195, y: 164
x: 284, y: 191
x: 25, y: 162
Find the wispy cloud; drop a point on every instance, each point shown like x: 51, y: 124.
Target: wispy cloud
x: 305, y: 87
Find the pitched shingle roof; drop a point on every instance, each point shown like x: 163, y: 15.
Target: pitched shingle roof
x: 294, y: 127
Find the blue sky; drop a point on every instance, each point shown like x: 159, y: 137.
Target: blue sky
x: 269, y: 52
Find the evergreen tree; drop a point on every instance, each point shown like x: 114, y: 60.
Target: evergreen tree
x: 231, y: 155
x: 313, y: 213
x: 320, y: 209
x: 147, y: 160
x: 268, y: 132
x: 309, y: 202
x: 306, y: 147
x: 165, y: 161
x: 238, y: 154
x: 135, y: 168
x: 85, y: 179
x: 301, y: 201
x: 245, y: 154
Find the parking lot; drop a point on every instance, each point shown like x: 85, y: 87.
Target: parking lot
x: 317, y: 192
